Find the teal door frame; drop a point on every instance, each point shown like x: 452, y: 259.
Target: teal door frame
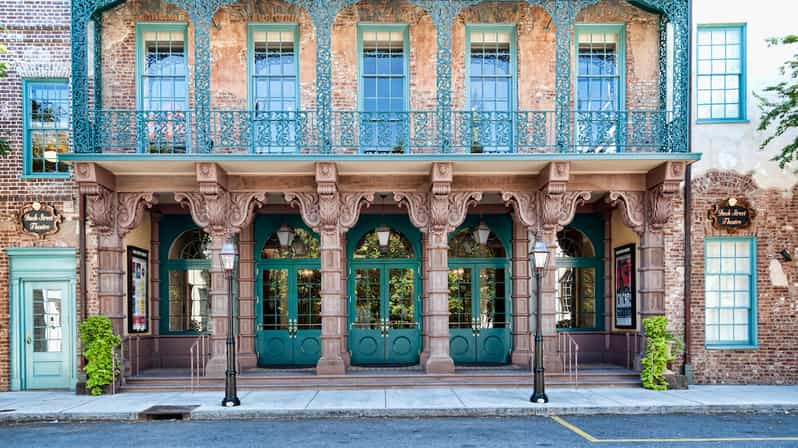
x: 33, y: 265
x: 501, y: 226
x: 593, y: 227
x: 410, y: 339
x: 283, y: 347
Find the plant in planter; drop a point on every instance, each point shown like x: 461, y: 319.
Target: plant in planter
x: 399, y: 148
x: 98, y: 339
x: 661, y: 347
x: 476, y: 146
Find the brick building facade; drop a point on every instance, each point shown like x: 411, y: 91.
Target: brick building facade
x: 223, y: 162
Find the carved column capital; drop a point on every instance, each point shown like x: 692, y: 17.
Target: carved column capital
x: 329, y: 211
x: 558, y: 209
x: 435, y: 212
x: 631, y: 204
x: 659, y: 204
x: 525, y: 206
x: 416, y: 204
x: 219, y: 212
x: 100, y: 207
x: 130, y: 209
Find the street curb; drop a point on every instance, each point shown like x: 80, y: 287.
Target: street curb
x: 538, y: 410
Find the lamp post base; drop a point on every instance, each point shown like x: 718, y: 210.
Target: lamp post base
x: 539, y: 398
x: 230, y: 402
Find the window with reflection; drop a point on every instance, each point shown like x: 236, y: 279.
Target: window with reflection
x: 304, y: 245
x: 189, y: 281
x: 576, y: 280
x: 47, y: 123
x: 465, y: 244
x: 164, y: 70
x: 369, y: 246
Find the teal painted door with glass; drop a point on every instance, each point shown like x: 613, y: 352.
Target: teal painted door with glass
x: 288, y: 302
x: 384, y: 309
x: 49, y: 315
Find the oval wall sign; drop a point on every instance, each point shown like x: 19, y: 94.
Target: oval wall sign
x: 39, y: 219
x: 732, y: 215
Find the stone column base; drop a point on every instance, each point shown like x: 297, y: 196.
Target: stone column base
x: 423, y: 357
x: 439, y: 364
x: 247, y: 361
x: 331, y: 366
x: 521, y: 358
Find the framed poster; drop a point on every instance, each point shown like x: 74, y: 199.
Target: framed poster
x: 625, y: 288
x: 138, y: 277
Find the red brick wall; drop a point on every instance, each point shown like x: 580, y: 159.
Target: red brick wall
x: 775, y: 360
x: 37, y: 35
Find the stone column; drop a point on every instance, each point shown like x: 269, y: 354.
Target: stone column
x: 521, y: 277
x: 548, y: 310
x: 424, y: 300
x: 246, y: 299
x: 437, y: 213
x: 155, y: 288
x: 344, y: 302
x: 110, y: 279
x: 330, y: 213
x: 222, y: 215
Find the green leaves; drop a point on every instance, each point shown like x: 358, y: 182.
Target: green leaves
x: 98, y: 339
x: 655, y: 361
x: 779, y: 105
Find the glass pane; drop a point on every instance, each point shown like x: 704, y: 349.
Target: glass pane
x: 367, y: 298
x: 164, y: 68
x: 275, y: 299
x: 460, y: 297
x: 573, y: 243
x: 492, y: 300
x: 566, y: 296
x: 576, y: 301
x: 308, y: 291
x: 189, y: 305
x: 465, y: 244
x: 401, y: 303
x: 47, y: 321
x: 191, y: 245
x: 369, y: 246
x: 304, y: 244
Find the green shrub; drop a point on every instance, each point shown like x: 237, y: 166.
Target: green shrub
x: 97, y: 336
x: 655, y: 361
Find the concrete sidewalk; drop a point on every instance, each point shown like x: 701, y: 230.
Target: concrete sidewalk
x: 443, y: 402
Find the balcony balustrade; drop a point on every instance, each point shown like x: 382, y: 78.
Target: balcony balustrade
x: 367, y: 133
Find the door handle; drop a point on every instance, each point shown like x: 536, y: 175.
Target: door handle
x: 28, y: 340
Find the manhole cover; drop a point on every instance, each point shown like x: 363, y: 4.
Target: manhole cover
x: 167, y: 412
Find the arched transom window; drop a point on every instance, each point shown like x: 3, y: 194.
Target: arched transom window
x: 465, y: 244
x: 369, y: 246
x: 304, y: 244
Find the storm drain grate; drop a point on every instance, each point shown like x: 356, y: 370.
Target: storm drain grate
x: 167, y: 412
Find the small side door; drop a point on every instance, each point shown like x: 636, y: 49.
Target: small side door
x: 306, y: 316
x: 274, y: 341
x: 462, y: 322
x: 49, y: 317
x: 492, y: 316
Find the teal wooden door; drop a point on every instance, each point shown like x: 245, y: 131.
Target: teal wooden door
x: 289, y: 324
x: 479, y: 329
x: 384, y: 326
x: 49, y: 314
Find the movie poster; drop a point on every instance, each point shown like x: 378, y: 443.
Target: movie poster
x: 625, y: 291
x: 137, y: 297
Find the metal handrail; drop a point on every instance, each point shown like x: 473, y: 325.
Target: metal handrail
x: 198, y: 353
x: 569, y: 355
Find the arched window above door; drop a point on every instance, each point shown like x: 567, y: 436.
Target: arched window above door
x: 466, y: 245
x: 304, y: 245
x: 572, y: 243
x: 191, y: 245
x: 369, y: 246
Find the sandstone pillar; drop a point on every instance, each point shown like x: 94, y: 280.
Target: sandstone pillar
x: 436, y: 213
x: 522, y: 351
x: 246, y: 299
x: 330, y: 213
x: 424, y: 300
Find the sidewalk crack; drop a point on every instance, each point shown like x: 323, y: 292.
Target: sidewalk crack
x: 316, y: 394
x: 458, y: 397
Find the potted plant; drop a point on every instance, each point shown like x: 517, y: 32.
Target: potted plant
x: 399, y: 148
x: 99, y: 342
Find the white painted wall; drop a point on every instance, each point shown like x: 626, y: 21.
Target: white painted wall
x: 735, y: 146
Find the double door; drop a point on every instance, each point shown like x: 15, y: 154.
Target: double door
x: 479, y: 315
x: 48, y: 335
x: 289, y: 318
x: 384, y: 320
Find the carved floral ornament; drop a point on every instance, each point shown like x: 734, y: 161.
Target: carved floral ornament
x: 650, y: 208
x: 329, y: 211
x: 545, y: 210
x: 221, y: 213
x: 109, y: 211
x: 437, y: 212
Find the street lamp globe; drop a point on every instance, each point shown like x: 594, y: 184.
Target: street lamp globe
x: 540, y: 253
x: 228, y: 255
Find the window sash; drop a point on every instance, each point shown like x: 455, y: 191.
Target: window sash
x: 163, y: 69
x: 729, y: 283
x: 720, y: 73
x: 47, y: 126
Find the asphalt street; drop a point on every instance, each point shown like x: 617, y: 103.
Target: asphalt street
x: 605, y: 431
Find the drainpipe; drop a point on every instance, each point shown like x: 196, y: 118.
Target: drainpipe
x: 688, y: 211
x: 82, y: 249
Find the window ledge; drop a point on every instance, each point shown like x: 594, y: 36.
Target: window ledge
x: 719, y: 121
x: 731, y: 346
x: 45, y: 176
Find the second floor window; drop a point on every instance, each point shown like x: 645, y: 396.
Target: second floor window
x: 720, y: 73
x: 163, y: 68
x: 46, y: 127
x: 491, y: 69
x: 383, y: 63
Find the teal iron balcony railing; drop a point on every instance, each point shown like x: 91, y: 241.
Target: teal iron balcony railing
x: 352, y: 132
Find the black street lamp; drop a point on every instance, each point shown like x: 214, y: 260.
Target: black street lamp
x: 229, y: 257
x: 540, y: 256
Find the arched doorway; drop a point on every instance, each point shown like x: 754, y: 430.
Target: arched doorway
x: 288, y: 285
x: 580, y: 275
x: 384, y: 312
x: 479, y: 292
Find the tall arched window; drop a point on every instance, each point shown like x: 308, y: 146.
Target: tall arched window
x: 578, y: 275
x: 188, y: 282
